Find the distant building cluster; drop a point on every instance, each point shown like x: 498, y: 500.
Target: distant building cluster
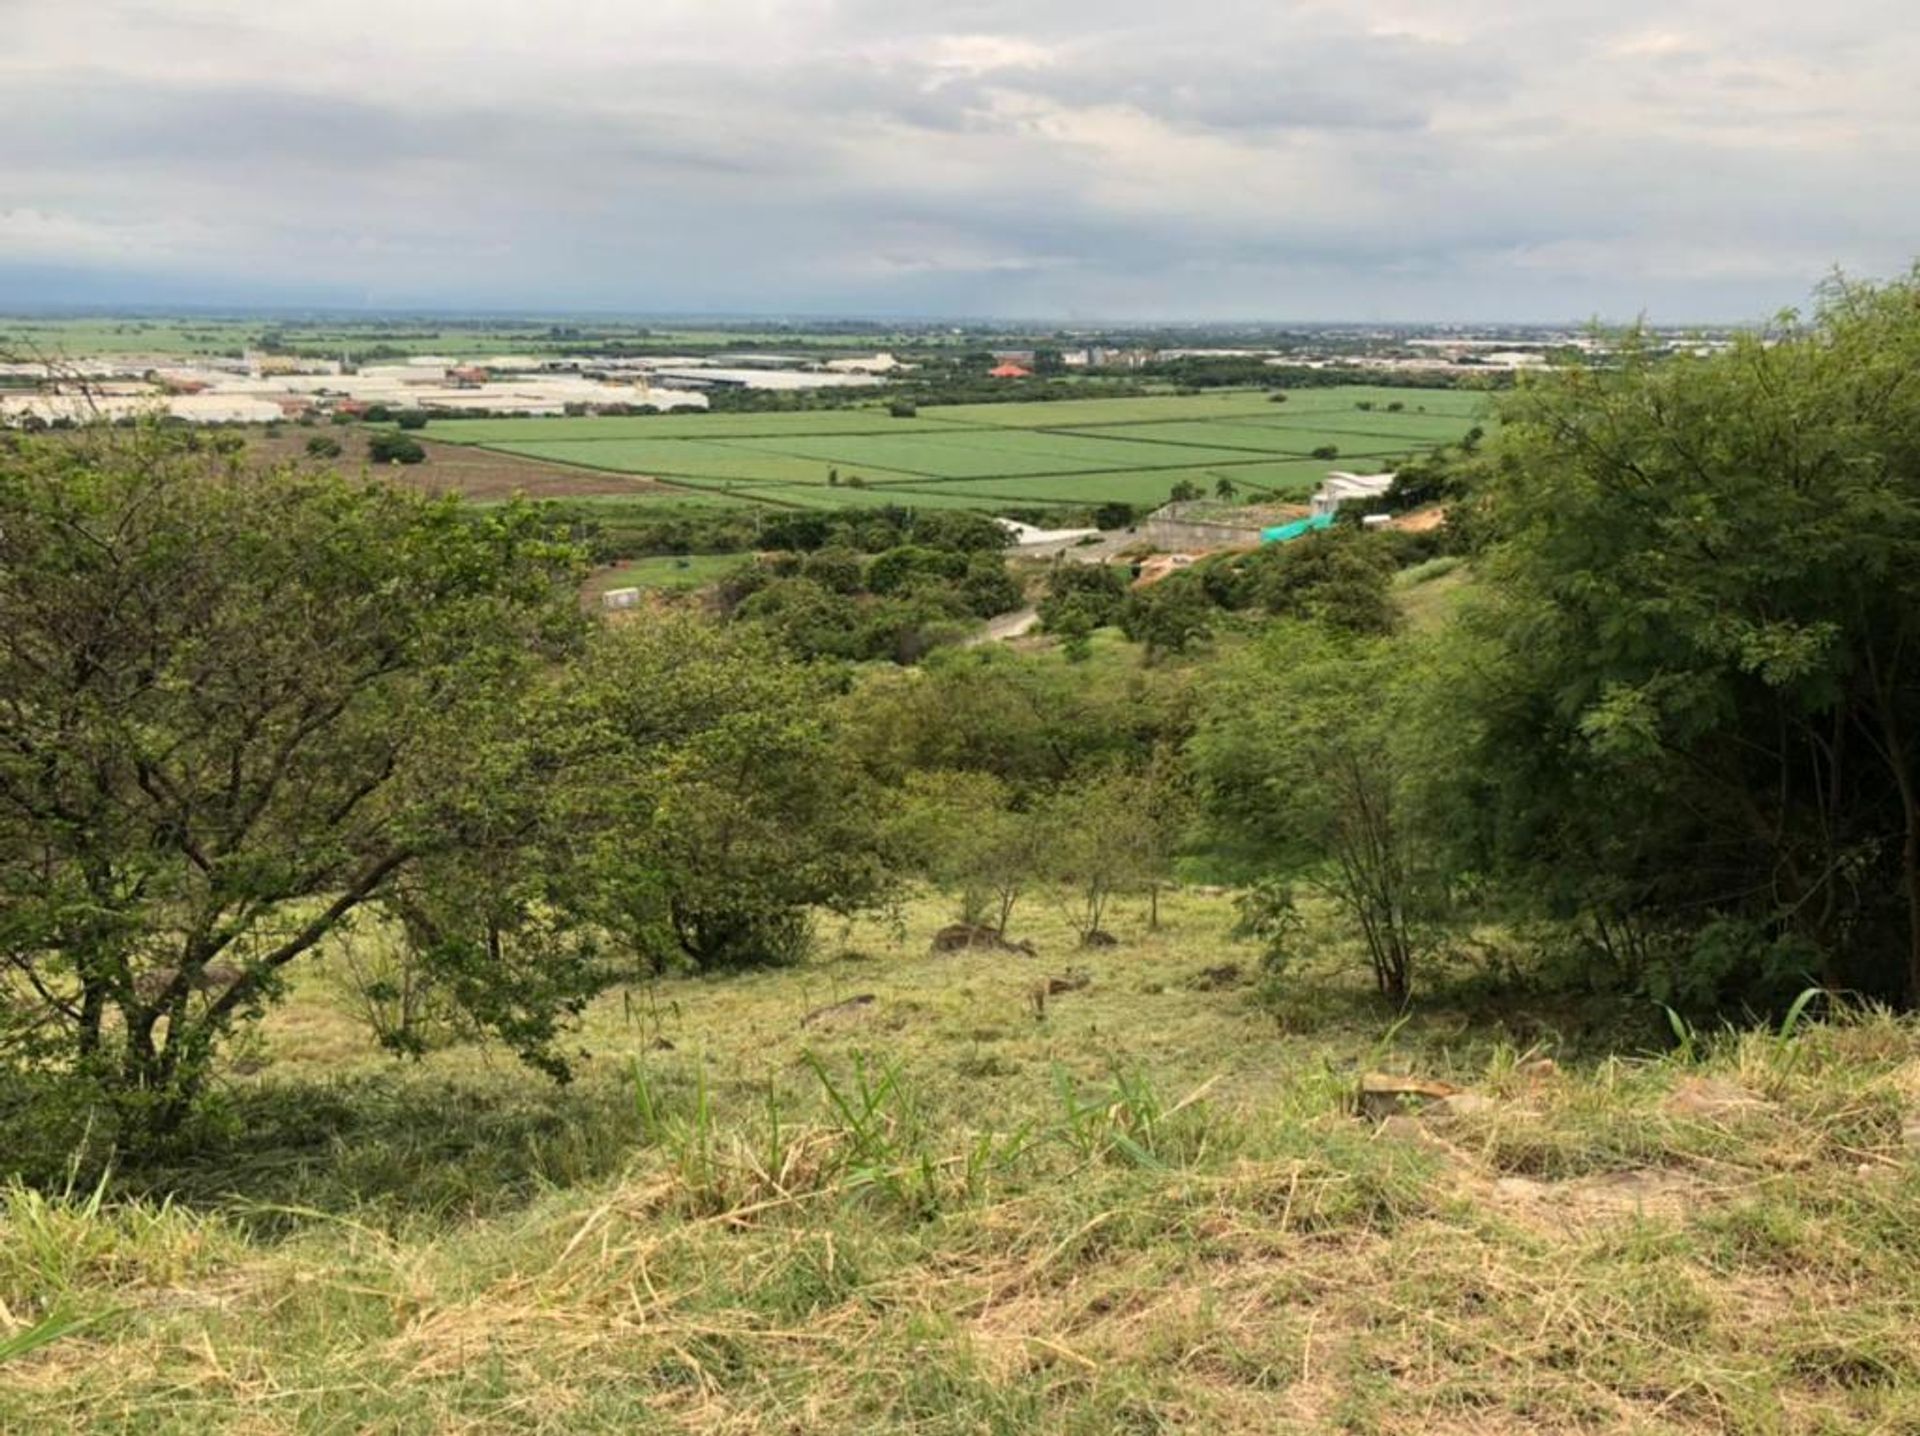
x: 261, y: 388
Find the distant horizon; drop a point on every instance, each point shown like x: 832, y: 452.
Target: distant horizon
x: 55, y: 310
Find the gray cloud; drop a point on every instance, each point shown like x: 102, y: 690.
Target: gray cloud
x: 1288, y: 158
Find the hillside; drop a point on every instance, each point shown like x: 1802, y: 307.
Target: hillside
x: 771, y: 1204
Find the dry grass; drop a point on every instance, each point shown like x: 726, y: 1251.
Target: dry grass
x: 1152, y: 1210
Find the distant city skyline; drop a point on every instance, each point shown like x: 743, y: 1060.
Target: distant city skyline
x: 1375, y: 161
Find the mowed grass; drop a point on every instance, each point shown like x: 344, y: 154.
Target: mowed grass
x: 990, y: 455
x: 883, y: 1192
x: 669, y: 571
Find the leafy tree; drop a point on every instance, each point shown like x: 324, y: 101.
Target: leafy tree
x: 967, y: 833
x: 800, y: 531
x: 1113, y: 515
x: 1092, y: 592
x: 1224, y: 489
x: 742, y: 807
x: 411, y: 418
x: 987, y: 586
x: 1074, y: 629
x: 1327, y: 451
x: 899, y: 569
x: 1301, y: 752
x: 1026, y: 719
x: 1104, y: 837
x: 323, y: 446
x: 1694, y: 698
x: 239, y: 706
x: 1184, y: 491
x: 1342, y: 577
x: 392, y: 447
x: 959, y: 529
x: 838, y: 569
x: 1167, y: 617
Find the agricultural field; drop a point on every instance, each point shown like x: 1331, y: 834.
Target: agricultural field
x: 1081, y: 451
x: 482, y: 475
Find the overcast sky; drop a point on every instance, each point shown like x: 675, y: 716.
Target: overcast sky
x: 1357, y: 159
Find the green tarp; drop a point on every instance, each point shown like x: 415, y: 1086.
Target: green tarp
x: 1286, y: 532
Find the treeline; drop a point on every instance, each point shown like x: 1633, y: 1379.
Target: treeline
x: 868, y: 587
x: 609, y: 531
x: 1254, y: 372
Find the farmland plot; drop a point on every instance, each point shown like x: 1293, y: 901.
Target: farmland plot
x: 1077, y: 451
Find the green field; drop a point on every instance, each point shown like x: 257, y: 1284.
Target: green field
x: 670, y: 571
x: 1080, y: 451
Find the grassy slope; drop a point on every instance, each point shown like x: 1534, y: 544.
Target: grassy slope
x: 1148, y: 1210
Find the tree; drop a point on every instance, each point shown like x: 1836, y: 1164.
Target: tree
x: 740, y: 806
x: 323, y: 446
x: 899, y: 569
x: 1342, y: 577
x: 1327, y: 451
x: 411, y: 418
x: 1704, y: 618
x: 1224, y: 489
x: 1183, y: 491
x: 1300, y: 753
x: 838, y: 569
x: 238, y: 706
x: 1101, y: 841
x: 966, y: 832
x: 1093, y: 592
x: 959, y: 529
x: 1167, y: 617
x: 392, y: 447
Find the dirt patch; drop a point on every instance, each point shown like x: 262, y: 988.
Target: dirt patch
x: 974, y: 937
x: 836, y: 1011
x: 479, y: 474
x: 1420, y: 520
x: 1713, y: 1099
x: 1606, y: 1197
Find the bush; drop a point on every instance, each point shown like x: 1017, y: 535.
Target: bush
x: 394, y: 448
x: 323, y: 446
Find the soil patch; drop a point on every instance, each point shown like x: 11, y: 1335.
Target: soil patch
x: 479, y: 474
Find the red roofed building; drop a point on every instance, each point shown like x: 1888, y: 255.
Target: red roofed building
x: 1009, y: 371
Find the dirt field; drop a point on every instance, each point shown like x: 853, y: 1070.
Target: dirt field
x: 473, y: 473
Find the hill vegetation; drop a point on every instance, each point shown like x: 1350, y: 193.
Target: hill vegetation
x: 1236, y: 1007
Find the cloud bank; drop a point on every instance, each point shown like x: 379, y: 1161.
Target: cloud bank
x: 1365, y: 159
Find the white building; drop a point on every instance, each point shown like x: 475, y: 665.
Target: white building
x: 1342, y: 487
x: 1027, y: 536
